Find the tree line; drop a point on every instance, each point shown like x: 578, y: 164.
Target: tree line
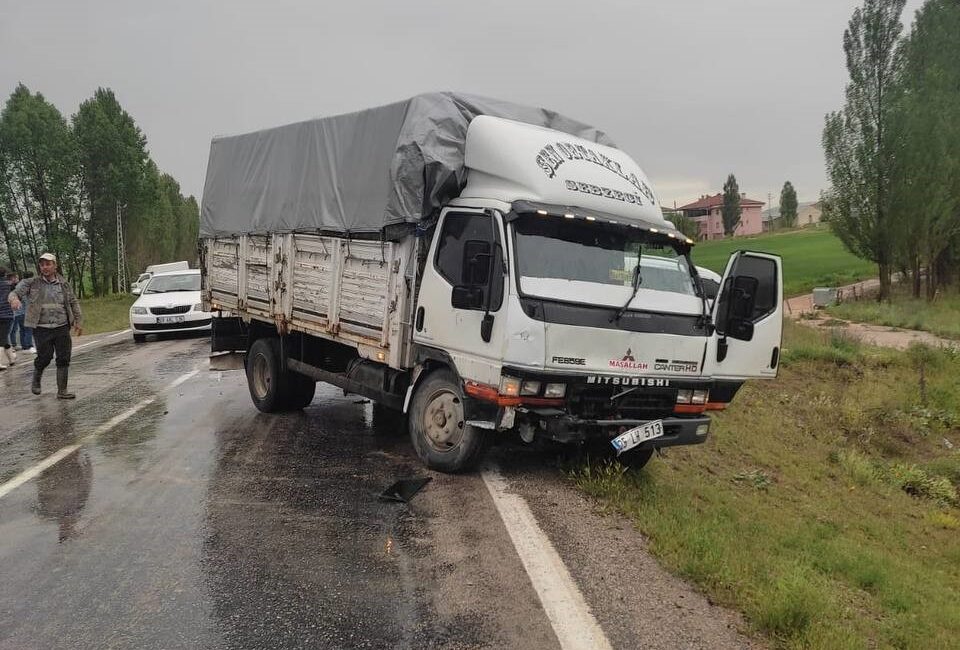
x: 62, y: 183
x: 893, y: 150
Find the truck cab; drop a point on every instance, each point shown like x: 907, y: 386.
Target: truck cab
x: 578, y: 314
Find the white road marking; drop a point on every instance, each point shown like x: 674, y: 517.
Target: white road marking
x: 60, y: 454
x: 109, y: 336
x: 569, y: 614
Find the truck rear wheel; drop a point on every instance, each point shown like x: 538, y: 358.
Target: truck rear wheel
x: 264, y: 376
x: 438, y: 429
x: 299, y: 390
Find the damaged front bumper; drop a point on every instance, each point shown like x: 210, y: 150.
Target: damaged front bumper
x: 566, y: 428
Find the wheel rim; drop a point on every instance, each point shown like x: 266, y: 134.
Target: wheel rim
x: 443, y: 420
x: 261, y: 376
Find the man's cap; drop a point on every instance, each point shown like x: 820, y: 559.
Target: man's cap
x: 49, y: 256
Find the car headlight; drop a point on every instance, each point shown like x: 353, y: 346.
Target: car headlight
x: 530, y: 388
x: 198, y: 307
x: 509, y: 386
x: 140, y: 311
x: 555, y: 390
x: 691, y: 396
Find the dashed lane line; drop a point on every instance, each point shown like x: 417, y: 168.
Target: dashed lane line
x: 569, y: 614
x: 60, y: 454
x: 109, y: 336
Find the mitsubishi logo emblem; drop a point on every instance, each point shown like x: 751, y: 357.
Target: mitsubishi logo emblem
x: 628, y: 356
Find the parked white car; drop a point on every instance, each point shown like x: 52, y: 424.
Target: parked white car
x: 170, y: 302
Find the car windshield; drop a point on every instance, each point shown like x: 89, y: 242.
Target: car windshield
x: 180, y: 282
x: 575, y: 251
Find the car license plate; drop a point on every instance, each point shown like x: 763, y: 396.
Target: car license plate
x: 630, y: 439
x: 163, y: 320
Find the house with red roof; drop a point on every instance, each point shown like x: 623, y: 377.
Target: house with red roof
x: 708, y: 212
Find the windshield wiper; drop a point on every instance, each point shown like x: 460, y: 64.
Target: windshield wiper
x: 637, y: 281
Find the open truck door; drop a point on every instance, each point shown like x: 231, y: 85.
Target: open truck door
x: 748, y: 315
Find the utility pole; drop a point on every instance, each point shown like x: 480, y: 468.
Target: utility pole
x: 121, y: 253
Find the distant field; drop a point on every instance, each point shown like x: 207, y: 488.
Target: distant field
x: 812, y: 257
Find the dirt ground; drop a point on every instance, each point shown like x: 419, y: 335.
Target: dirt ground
x: 802, y: 310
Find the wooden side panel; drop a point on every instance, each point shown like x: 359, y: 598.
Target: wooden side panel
x: 313, y: 273
x: 257, y: 272
x: 222, y: 273
x: 364, y: 287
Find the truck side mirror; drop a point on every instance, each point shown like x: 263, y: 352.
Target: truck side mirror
x: 743, y: 299
x: 476, y: 262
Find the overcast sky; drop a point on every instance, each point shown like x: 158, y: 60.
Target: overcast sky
x: 693, y: 90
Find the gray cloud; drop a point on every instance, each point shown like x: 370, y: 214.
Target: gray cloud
x: 692, y: 90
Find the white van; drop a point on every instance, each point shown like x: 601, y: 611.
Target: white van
x: 137, y: 286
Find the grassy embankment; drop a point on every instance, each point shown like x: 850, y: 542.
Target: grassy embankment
x: 812, y: 257
x: 941, y: 317
x: 106, y: 314
x: 825, y: 504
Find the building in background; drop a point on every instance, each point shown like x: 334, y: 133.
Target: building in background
x: 808, y: 214
x: 708, y: 212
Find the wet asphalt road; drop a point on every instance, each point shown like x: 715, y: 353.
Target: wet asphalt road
x: 198, y: 522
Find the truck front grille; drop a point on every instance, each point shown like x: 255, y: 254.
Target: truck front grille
x: 594, y: 402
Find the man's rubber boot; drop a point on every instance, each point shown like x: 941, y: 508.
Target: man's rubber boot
x: 62, y: 393
x: 35, y: 386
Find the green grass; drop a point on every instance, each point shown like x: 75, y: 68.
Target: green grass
x: 107, y: 314
x: 941, y: 317
x: 824, y: 506
x: 812, y: 257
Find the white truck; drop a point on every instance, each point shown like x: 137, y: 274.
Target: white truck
x: 474, y: 264
x: 137, y: 286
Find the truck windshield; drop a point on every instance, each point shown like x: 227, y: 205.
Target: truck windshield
x: 560, y: 258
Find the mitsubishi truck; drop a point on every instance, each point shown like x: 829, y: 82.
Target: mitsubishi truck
x: 484, y: 268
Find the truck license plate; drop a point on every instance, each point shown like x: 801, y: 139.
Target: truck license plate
x: 630, y: 439
x: 169, y: 319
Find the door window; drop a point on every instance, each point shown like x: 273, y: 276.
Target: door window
x: 467, y: 235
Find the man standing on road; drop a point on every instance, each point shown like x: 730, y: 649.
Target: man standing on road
x: 7, y: 355
x: 52, y: 309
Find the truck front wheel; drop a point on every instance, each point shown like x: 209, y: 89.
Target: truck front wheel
x: 438, y: 429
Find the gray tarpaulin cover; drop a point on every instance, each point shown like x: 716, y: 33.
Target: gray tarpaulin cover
x: 357, y: 173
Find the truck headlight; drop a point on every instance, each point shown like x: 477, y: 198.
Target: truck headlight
x: 530, y: 388
x: 700, y: 397
x: 140, y: 311
x: 198, y: 307
x: 555, y: 390
x: 684, y: 396
x: 509, y: 386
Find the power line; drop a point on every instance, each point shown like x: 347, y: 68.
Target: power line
x: 121, y: 253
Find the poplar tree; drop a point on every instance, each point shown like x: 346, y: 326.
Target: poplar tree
x: 788, y: 205
x: 856, y: 139
x: 730, y: 212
